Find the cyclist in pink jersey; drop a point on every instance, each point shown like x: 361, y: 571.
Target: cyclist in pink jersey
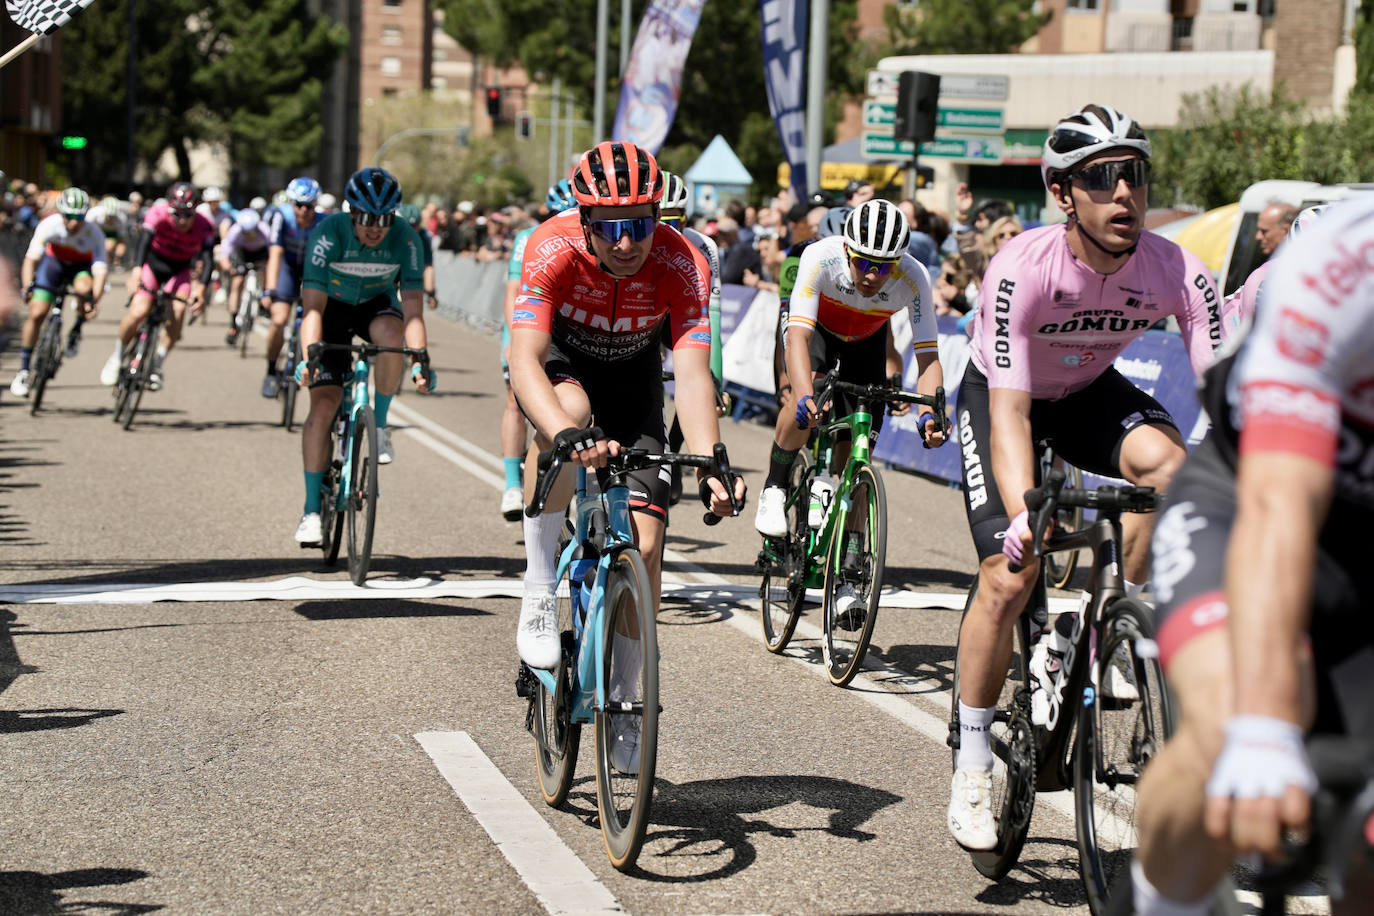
x: 1238, y: 311
x: 174, y: 236
x: 1058, y: 304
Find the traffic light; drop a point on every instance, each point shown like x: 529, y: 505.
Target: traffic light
x: 494, y: 104
x: 73, y: 142
x: 524, y: 125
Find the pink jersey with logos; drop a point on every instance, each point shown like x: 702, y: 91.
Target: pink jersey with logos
x: 1049, y: 324
x: 1239, y: 307
x: 172, y: 244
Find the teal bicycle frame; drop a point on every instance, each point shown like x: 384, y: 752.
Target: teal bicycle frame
x: 356, y: 397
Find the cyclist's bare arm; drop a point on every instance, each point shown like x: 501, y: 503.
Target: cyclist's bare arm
x: 274, y: 256
x: 799, y: 361
x: 1013, y: 457
x: 930, y: 376
x: 529, y: 348
x: 313, y: 302
x: 413, y: 312
x: 26, y: 273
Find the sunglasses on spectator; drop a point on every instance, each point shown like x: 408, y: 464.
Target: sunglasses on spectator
x: 881, y: 266
x: 374, y: 219
x: 1104, y: 175
x: 638, y: 228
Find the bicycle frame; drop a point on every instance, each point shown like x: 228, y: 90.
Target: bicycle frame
x: 820, y: 543
x: 610, y: 512
x: 355, y: 397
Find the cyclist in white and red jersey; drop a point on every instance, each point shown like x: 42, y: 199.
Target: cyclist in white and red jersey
x: 1262, y: 573
x: 1058, y: 304
x: 244, y: 248
x: 174, y: 236
x: 848, y: 288
x: 594, y: 293
x: 65, y: 251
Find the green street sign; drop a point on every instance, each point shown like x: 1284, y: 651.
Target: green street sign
x: 879, y: 114
x: 876, y: 145
x: 970, y: 118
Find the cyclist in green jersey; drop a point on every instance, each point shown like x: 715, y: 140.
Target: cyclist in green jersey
x: 355, y: 261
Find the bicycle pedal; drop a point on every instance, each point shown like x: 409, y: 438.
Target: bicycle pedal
x: 524, y: 682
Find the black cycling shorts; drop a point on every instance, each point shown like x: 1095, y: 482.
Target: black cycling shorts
x: 1188, y: 582
x: 862, y: 361
x: 627, y: 403
x: 243, y: 258
x: 343, y: 322
x: 1085, y: 428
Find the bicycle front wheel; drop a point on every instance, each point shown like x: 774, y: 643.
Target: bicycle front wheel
x: 1123, y: 723
x: 45, y: 357
x: 289, y: 388
x: 854, y: 577
x: 362, y: 495
x: 331, y: 519
x: 783, y: 588
x: 1013, y: 756
x: 140, y: 367
x: 627, y: 725
x: 557, y: 738
x: 247, y: 307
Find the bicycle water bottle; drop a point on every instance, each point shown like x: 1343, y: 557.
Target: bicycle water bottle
x: 1047, y: 669
x: 578, y: 592
x: 822, y: 492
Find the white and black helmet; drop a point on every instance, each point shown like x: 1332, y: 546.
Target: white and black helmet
x: 674, y: 193
x: 1091, y: 130
x: 876, y: 229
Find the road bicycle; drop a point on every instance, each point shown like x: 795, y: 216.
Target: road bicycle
x: 608, y: 630
x: 140, y: 358
x: 249, y: 301
x: 848, y: 546
x: 287, y: 389
x: 1059, y: 567
x: 47, y: 355
x: 1108, y: 712
x: 349, y: 489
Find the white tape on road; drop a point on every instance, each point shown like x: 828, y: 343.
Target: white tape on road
x: 553, y: 872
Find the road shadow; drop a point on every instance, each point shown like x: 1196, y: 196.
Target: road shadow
x: 382, y: 608
x: 10, y: 665
x: 933, y: 665
x: 1040, y: 878
x: 36, y: 894
x: 14, y: 721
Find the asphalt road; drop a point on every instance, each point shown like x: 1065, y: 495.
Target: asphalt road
x: 230, y: 754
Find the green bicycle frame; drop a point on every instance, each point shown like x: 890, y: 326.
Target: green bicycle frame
x: 822, y: 542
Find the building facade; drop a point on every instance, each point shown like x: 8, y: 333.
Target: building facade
x: 30, y: 103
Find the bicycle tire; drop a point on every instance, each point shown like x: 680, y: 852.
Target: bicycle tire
x: 289, y: 388
x: 1013, y: 749
x: 780, y: 603
x: 623, y: 799
x: 1116, y: 739
x: 121, y: 391
x: 145, y: 351
x: 557, y: 738
x: 245, y: 317
x: 331, y: 519
x: 867, y: 518
x: 1059, y: 567
x: 46, y: 357
x: 362, y: 496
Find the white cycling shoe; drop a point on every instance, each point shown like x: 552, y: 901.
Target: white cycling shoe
x: 970, y: 819
x: 385, y: 453
x: 109, y: 374
x: 536, y: 638
x: 310, y: 532
x: 625, y: 744
x: 512, y: 504
x: 20, y: 386
x: 771, y: 518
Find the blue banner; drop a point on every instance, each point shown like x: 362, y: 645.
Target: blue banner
x: 653, y: 77
x: 784, y: 74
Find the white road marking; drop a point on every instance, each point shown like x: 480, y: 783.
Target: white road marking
x: 554, y: 874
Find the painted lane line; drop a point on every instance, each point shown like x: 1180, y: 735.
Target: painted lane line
x: 555, y: 875
x: 413, y: 416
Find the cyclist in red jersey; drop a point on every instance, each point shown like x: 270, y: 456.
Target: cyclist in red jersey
x: 585, y: 327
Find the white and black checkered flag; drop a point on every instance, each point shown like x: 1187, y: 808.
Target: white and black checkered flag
x: 43, y: 17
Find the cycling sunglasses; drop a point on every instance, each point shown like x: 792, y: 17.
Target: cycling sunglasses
x: 1104, y: 175
x: 374, y: 219
x: 184, y: 214
x: 881, y: 266
x: 673, y: 221
x: 638, y: 228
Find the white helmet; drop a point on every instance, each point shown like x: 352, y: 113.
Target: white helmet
x: 876, y: 229
x: 258, y: 203
x: 1304, y: 220
x: 327, y: 201
x: 97, y: 214
x: 1091, y: 130
x: 211, y: 194
x: 248, y: 220
x: 674, y: 193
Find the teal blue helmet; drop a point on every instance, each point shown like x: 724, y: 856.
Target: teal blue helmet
x: 411, y: 214
x: 373, y: 190
x: 560, y: 197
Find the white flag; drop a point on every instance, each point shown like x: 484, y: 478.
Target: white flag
x: 43, y: 17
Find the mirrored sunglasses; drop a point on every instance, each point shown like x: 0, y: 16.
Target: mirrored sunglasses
x: 673, y: 221
x: 881, y: 266
x: 1104, y: 175
x: 638, y: 228
x: 374, y: 219
x: 73, y: 217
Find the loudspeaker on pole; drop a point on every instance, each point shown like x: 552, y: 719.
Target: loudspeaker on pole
x: 918, y: 100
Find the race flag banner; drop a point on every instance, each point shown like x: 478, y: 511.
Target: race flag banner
x: 42, y: 17
x: 784, y: 75
x: 653, y: 76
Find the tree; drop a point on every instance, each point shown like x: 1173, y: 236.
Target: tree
x: 723, y: 72
x: 960, y: 27
x: 1363, y: 35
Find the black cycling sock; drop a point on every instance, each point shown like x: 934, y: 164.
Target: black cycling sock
x: 80, y: 320
x: 779, y: 465
x: 271, y: 367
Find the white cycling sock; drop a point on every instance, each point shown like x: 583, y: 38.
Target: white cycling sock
x: 975, y: 750
x: 628, y: 655
x: 1150, y: 902
x: 1133, y: 590
x: 541, y: 551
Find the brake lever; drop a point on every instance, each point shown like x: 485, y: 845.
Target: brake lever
x: 722, y: 468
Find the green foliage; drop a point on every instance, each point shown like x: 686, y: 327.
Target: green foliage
x: 723, y: 72
x: 1364, y: 52
x: 960, y: 27
x: 1227, y: 140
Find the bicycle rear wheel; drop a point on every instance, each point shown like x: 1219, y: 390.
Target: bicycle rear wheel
x: 362, y: 495
x: 289, y: 388
x: 557, y: 738
x: 331, y: 519
x: 244, y: 320
x: 46, y: 356
x: 1013, y: 751
x: 624, y: 784
x: 856, y: 560
x: 140, y: 367
x: 783, y: 588
x: 123, y: 387
x: 1123, y: 722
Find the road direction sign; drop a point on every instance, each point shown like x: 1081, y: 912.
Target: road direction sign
x: 987, y: 149
x: 879, y: 114
x: 882, y: 83
x: 967, y: 118
x: 988, y: 87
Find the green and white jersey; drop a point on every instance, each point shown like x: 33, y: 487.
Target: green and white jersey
x: 347, y: 270
x: 517, y: 251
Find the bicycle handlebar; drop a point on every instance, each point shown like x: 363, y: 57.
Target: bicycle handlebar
x: 364, y: 350
x: 890, y: 394
x: 1044, y: 500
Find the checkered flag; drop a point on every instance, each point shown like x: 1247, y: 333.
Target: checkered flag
x: 43, y: 17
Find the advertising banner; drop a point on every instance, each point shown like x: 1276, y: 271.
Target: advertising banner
x: 653, y: 78
x: 784, y: 76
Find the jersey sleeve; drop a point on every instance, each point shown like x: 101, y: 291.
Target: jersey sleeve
x: 541, y: 264
x: 805, y: 301
x: 713, y: 263
x: 412, y: 260
x: 96, y: 238
x: 323, y: 240
x: 1199, y: 315
x: 40, y: 239
x: 517, y: 254
x: 689, y: 302
x: 274, y: 229
x: 1007, y: 305
x: 233, y: 242
x: 925, y: 336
